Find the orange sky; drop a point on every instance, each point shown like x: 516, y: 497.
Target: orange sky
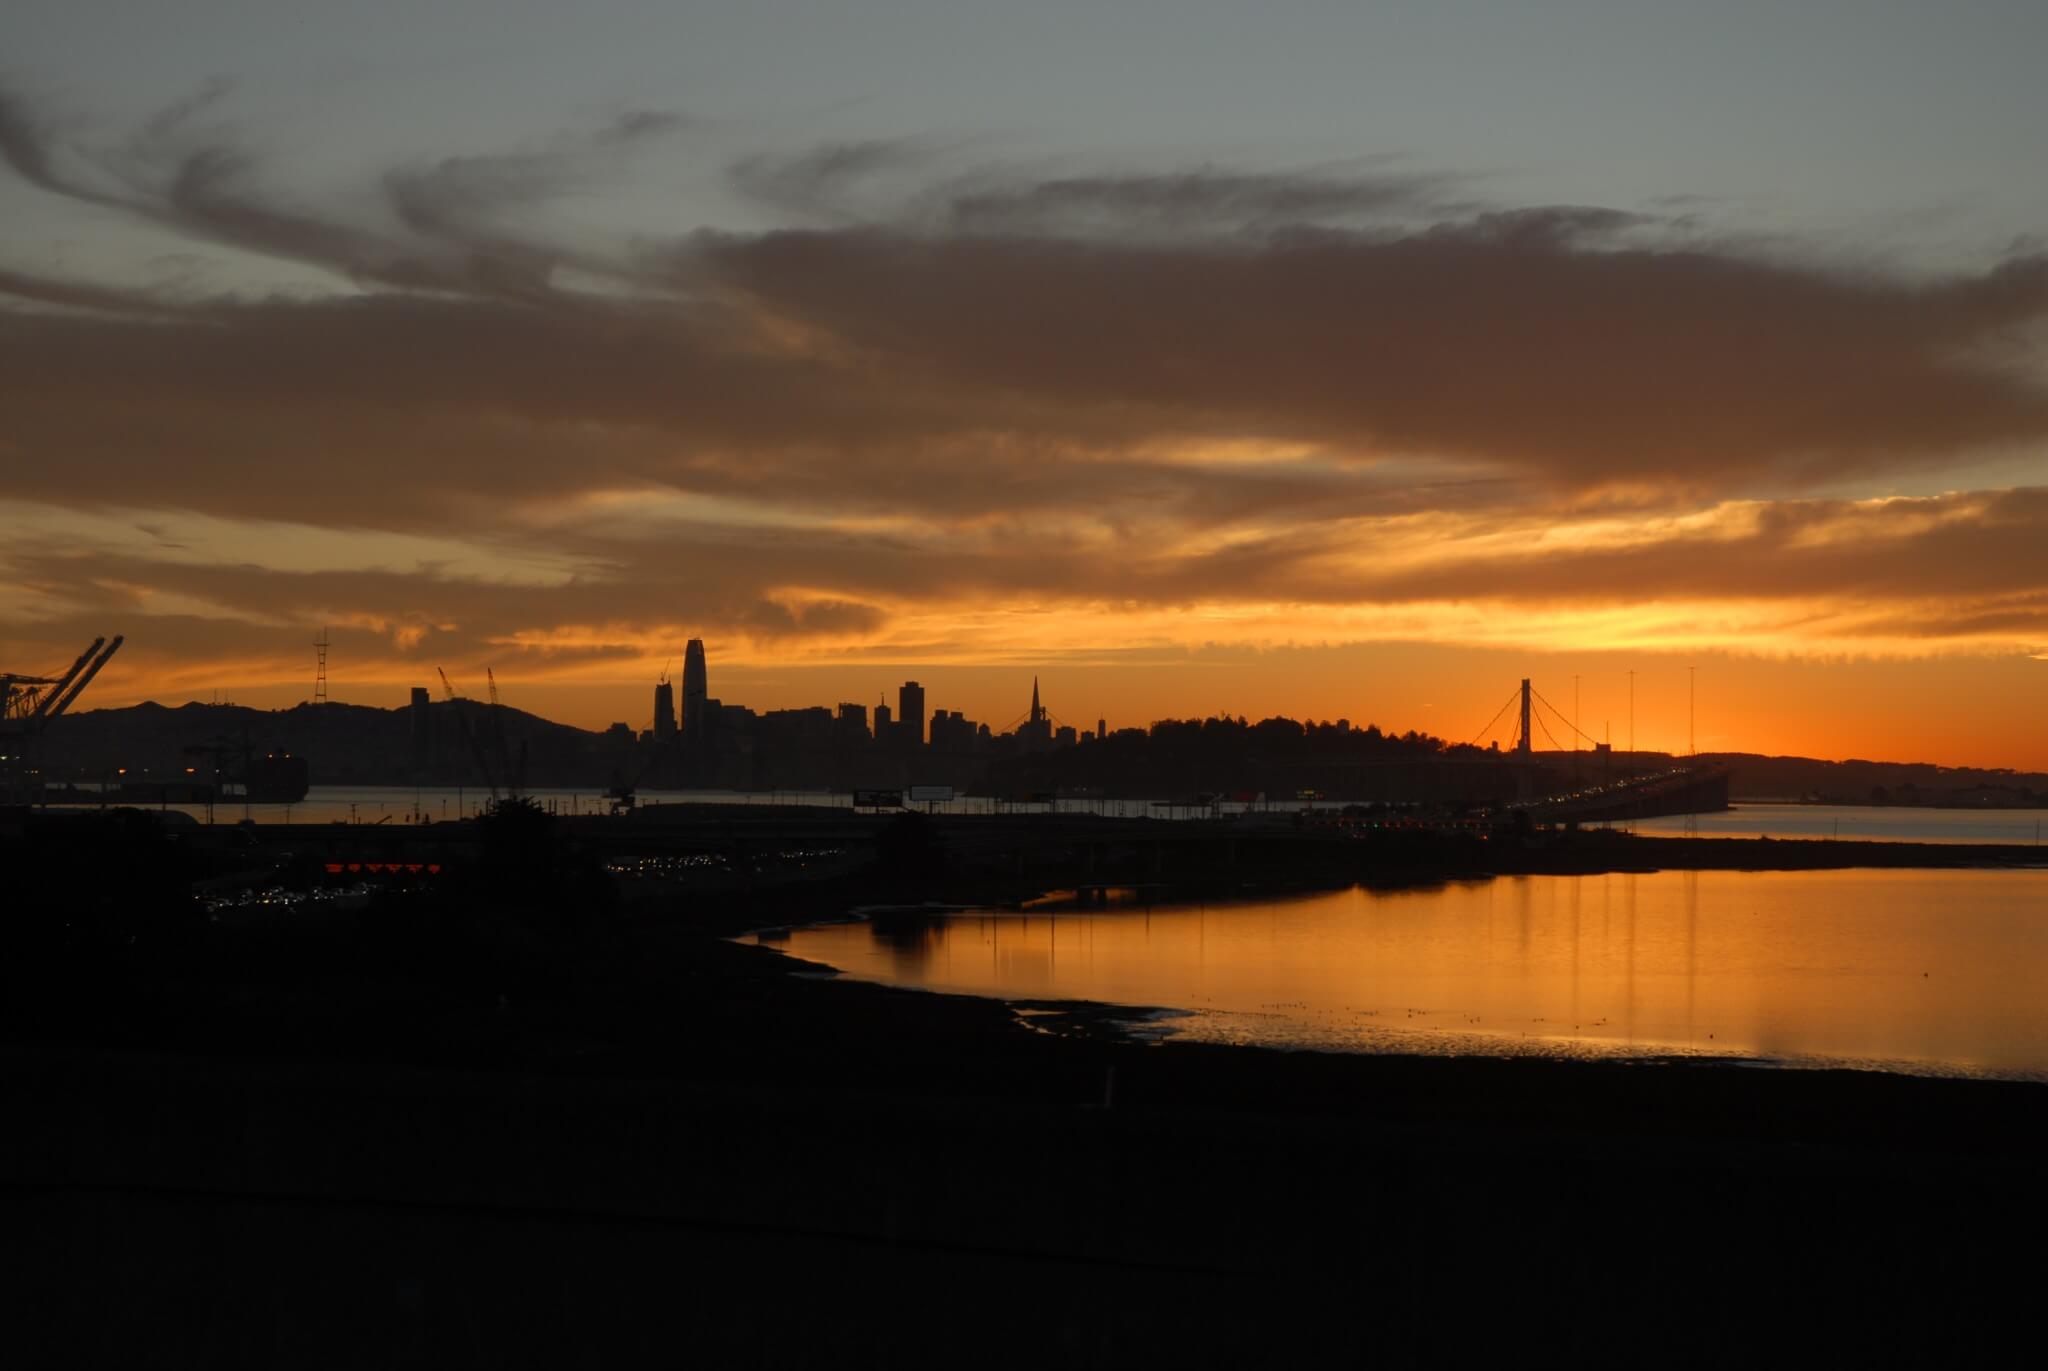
x: 1948, y: 710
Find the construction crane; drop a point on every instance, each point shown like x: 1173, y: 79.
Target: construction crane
x: 514, y: 773
x: 625, y: 794
x: 493, y: 756
x: 476, y: 749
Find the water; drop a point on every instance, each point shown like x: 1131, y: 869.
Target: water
x: 399, y: 804
x: 1925, y: 971
x: 1895, y: 824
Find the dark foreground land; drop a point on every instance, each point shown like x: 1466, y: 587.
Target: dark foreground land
x: 527, y: 1124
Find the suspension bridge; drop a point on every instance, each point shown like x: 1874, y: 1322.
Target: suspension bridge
x: 1623, y: 789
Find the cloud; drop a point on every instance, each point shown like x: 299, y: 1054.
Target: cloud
x: 436, y: 230
x: 1042, y: 325
x: 775, y: 620
x: 1353, y: 404
x: 1518, y: 348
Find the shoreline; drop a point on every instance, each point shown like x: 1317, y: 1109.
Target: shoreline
x: 622, y: 1134
x: 733, y: 912
x: 1113, y: 1020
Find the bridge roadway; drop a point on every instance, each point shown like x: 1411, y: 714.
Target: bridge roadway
x: 1680, y: 790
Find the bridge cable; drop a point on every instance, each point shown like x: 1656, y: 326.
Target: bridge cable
x: 1585, y: 736
x: 1495, y: 719
x: 1538, y: 713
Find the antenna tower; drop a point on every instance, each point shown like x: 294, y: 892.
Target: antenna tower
x: 320, y: 671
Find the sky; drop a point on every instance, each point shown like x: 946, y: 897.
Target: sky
x: 1319, y: 359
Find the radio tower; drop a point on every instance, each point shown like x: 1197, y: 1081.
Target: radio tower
x: 320, y: 671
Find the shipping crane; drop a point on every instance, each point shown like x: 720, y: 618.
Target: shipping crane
x: 35, y: 700
x: 28, y: 703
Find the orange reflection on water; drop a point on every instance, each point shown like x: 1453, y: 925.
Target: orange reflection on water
x: 1914, y: 969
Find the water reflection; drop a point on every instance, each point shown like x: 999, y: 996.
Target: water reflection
x: 1928, y: 970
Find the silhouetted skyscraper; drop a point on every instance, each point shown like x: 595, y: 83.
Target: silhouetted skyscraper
x: 696, y: 691
x: 910, y: 713
x: 664, y: 710
x: 1036, y: 733
x: 422, y: 728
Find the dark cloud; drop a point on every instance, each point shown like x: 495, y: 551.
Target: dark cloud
x: 830, y: 182
x: 80, y: 295
x: 442, y: 227
x: 1580, y: 365
x: 1562, y: 344
x: 1147, y: 389
x: 775, y: 619
x: 1183, y: 204
x: 27, y: 145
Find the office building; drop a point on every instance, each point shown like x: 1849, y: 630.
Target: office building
x: 696, y: 691
x: 664, y: 710
x: 910, y: 713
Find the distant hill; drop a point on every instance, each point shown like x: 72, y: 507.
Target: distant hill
x: 343, y: 744
x: 1754, y: 776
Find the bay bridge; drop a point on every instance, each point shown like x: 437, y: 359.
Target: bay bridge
x: 1688, y: 787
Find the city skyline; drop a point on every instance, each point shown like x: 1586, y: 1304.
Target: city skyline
x: 887, y: 362
x: 1630, y: 710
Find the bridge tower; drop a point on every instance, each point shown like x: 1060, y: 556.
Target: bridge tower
x: 1523, y: 746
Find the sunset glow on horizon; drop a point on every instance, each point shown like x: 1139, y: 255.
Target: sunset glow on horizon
x: 862, y: 381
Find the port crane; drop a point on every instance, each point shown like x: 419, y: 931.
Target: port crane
x: 32, y: 701
x: 28, y: 703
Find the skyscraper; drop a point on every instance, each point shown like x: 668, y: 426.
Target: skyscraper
x: 696, y: 690
x: 422, y: 728
x: 664, y: 710
x: 910, y: 713
x: 1036, y: 732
